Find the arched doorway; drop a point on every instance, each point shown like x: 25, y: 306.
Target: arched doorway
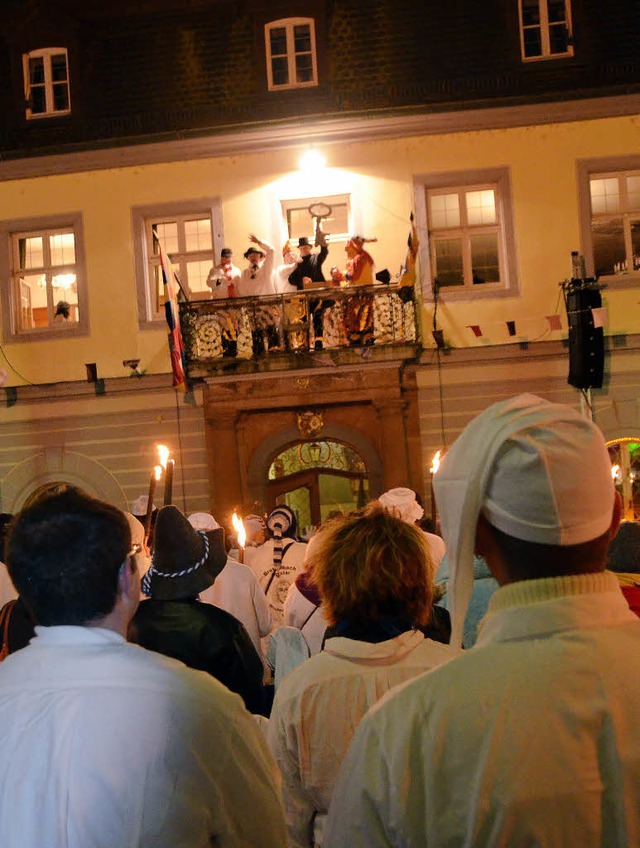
x: 625, y: 468
x: 317, y: 477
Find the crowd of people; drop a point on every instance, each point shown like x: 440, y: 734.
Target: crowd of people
x: 329, y: 694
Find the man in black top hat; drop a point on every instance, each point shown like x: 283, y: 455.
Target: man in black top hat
x: 310, y: 268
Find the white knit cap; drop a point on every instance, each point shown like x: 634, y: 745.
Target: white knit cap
x: 402, y: 502
x: 538, y: 471
x: 203, y: 521
x: 139, y: 505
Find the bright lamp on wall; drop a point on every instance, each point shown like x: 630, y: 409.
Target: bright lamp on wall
x: 312, y: 160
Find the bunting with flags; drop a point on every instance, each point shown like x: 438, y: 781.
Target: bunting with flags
x: 408, y: 271
x: 176, y: 346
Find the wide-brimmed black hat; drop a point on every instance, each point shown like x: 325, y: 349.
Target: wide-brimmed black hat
x: 303, y: 241
x: 184, y: 561
x: 253, y: 249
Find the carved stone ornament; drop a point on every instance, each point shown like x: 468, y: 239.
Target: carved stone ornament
x: 310, y: 424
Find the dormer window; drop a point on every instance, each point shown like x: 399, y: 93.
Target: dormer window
x: 291, y: 53
x: 545, y: 29
x: 46, y: 82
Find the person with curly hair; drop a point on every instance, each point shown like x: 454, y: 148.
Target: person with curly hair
x: 373, y: 572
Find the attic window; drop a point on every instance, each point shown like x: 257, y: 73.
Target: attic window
x: 290, y: 45
x: 46, y: 82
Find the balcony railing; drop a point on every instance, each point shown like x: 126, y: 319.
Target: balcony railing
x: 268, y: 329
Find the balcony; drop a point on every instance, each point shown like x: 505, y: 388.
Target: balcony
x: 336, y: 326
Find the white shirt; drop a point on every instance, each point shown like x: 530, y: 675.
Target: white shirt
x: 317, y: 709
x: 530, y: 738
x: 261, y: 563
x: 220, y: 278
x: 306, y: 616
x: 236, y: 590
x: 106, y: 745
x: 258, y: 280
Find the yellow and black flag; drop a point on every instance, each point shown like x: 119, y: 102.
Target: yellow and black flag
x: 407, y: 279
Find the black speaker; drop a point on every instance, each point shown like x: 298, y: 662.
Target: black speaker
x: 586, y: 342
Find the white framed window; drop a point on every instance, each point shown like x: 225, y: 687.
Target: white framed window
x: 46, y: 82
x: 615, y: 223
x: 190, y: 232
x: 609, y: 197
x: 299, y: 221
x: 470, y: 249
x: 43, y: 262
x: 545, y: 29
x: 290, y: 45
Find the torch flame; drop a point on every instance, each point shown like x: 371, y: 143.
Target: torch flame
x: 163, y: 455
x: 238, y: 526
x: 435, y: 462
x: 158, y: 472
x: 614, y: 471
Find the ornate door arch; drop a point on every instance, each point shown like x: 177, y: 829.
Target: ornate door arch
x: 316, y: 477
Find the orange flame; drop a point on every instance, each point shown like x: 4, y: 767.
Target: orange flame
x: 238, y: 526
x: 163, y: 454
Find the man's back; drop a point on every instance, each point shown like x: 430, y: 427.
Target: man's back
x: 104, y: 744
x: 531, y: 738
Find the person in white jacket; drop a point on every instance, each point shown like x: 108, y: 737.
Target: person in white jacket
x: 373, y: 572
x: 531, y: 737
x: 236, y: 590
x: 103, y: 743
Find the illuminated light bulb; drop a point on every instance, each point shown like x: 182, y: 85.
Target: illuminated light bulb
x: 312, y: 160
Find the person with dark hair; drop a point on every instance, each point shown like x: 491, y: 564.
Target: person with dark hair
x: 624, y: 560
x: 373, y: 573
x: 175, y: 622
x: 531, y: 737
x: 103, y: 743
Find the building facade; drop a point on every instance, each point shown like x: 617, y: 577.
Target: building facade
x: 508, y: 129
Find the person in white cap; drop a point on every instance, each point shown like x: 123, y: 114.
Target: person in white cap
x: 403, y: 502
x: 236, y: 590
x: 532, y: 736
x: 278, y: 560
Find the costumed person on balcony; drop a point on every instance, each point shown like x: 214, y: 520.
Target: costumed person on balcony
x: 358, y: 316
x: 359, y: 262
x: 282, y: 273
x: 310, y: 268
x: 257, y: 280
x: 294, y: 310
x: 223, y: 276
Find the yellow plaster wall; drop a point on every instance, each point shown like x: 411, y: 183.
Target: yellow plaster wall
x: 379, y: 178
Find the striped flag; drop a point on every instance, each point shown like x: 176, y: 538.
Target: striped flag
x: 176, y: 347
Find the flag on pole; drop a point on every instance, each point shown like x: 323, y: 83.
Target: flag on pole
x: 408, y: 271
x: 176, y: 347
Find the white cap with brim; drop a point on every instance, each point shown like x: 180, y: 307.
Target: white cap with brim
x: 538, y: 471
x: 402, y: 502
x: 203, y: 521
